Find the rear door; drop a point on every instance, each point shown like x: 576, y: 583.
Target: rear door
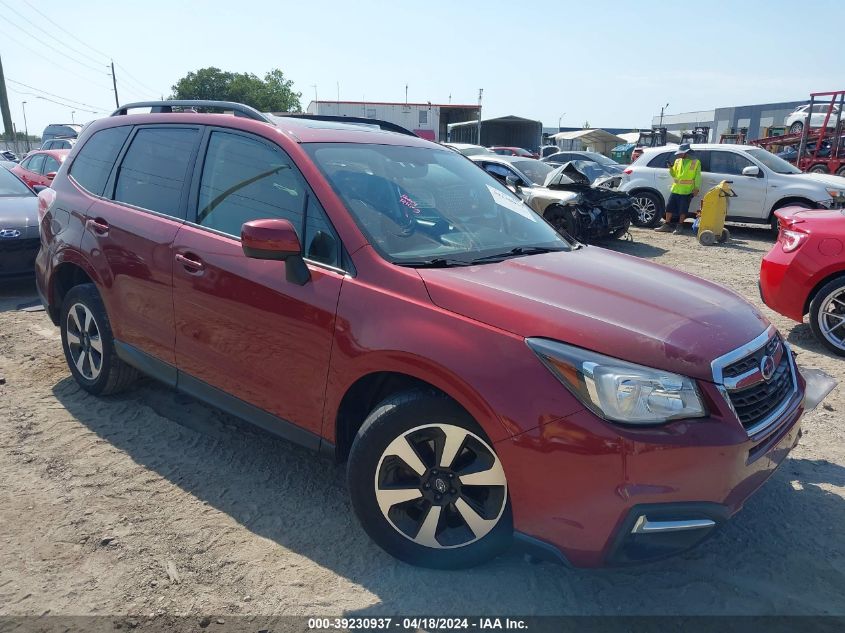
x: 129, y: 233
x: 30, y: 169
x: 750, y: 190
x: 242, y: 329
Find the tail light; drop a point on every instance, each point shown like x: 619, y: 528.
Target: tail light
x: 791, y: 240
x: 627, y: 171
x: 46, y: 198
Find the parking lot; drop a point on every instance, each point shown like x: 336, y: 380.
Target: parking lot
x: 150, y: 502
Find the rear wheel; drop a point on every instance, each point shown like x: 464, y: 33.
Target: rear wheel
x: 841, y: 171
x: 88, y: 343
x: 796, y: 127
x: 649, y: 208
x: 827, y: 315
x: 427, y: 485
x: 819, y: 169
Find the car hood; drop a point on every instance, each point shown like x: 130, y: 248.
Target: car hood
x: 19, y: 213
x: 827, y: 180
x: 607, y: 302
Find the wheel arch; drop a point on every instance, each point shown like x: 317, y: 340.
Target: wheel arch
x: 788, y: 200
x: 68, y: 272
x: 367, y: 391
x: 828, y: 277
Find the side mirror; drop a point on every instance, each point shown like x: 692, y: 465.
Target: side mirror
x: 751, y: 170
x: 276, y: 239
x: 512, y: 182
x: 51, y: 175
x: 39, y: 188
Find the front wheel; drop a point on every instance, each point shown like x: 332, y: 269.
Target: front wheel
x: 819, y: 169
x: 649, y: 209
x: 563, y: 220
x: 427, y: 485
x: 827, y: 315
x: 796, y: 127
x: 88, y: 343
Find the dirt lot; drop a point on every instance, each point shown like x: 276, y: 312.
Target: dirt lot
x: 153, y: 503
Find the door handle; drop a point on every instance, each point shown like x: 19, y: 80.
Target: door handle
x: 191, y: 264
x: 98, y: 226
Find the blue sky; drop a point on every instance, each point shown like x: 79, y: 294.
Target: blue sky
x: 610, y: 63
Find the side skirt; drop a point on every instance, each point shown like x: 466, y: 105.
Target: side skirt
x: 172, y: 377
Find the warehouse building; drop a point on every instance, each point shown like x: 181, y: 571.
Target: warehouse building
x: 756, y: 118
x: 507, y: 131
x: 428, y: 120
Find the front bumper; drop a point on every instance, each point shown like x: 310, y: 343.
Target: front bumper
x: 17, y: 257
x: 581, y: 485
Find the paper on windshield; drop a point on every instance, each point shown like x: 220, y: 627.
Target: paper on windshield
x: 504, y: 200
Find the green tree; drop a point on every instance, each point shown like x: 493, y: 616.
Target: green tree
x: 274, y: 93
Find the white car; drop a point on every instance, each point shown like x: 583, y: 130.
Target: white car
x: 469, y: 150
x: 798, y: 117
x: 762, y: 182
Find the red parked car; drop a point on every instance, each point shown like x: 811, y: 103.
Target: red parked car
x: 514, y: 151
x: 804, y: 272
x: 377, y: 298
x: 40, y: 167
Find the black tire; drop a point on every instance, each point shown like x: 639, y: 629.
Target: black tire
x: 419, y: 422
x: 706, y: 238
x: 796, y: 127
x: 819, y: 169
x: 109, y: 375
x: 724, y: 237
x: 773, y: 221
x: 841, y: 171
x: 563, y: 221
x: 822, y: 319
x: 648, y: 207
x: 620, y: 232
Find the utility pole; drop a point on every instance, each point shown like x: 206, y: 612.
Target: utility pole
x: 480, y: 93
x: 72, y: 112
x: 114, y: 83
x: 25, y: 126
x: 661, y: 114
x: 406, y: 94
x: 4, y: 106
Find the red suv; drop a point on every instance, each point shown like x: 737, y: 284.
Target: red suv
x: 379, y: 299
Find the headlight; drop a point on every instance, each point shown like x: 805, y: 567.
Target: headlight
x: 835, y: 193
x: 618, y: 390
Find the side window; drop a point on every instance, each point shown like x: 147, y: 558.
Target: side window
x: 321, y: 243
x: 727, y: 163
x: 48, y: 145
x: 499, y: 171
x: 35, y: 163
x: 152, y: 174
x: 51, y: 165
x: 661, y: 161
x: 93, y: 163
x: 244, y: 179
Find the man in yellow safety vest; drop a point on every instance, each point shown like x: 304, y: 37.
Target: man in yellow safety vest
x: 686, y: 181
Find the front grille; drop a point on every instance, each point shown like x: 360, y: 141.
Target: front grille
x: 17, y: 256
x: 757, y: 404
x: 744, y: 365
x: 754, y: 404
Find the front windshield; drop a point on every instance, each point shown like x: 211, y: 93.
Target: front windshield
x: 776, y: 164
x: 535, y: 170
x: 421, y: 205
x: 11, y: 186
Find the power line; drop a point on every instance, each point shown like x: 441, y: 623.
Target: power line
x: 64, y: 30
x: 82, y: 103
x: 137, y: 83
x: 43, y: 42
x: 66, y: 105
x: 52, y: 62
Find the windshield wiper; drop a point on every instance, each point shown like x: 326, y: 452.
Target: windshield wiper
x: 517, y: 252
x: 436, y: 262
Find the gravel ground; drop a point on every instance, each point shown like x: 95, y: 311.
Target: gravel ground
x: 151, y: 503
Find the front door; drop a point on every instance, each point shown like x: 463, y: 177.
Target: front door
x: 129, y: 234
x: 750, y: 190
x: 241, y: 327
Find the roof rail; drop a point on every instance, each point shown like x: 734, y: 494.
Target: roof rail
x: 355, y: 120
x: 239, y: 109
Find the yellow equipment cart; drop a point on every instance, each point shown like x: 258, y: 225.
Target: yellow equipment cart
x: 711, y: 217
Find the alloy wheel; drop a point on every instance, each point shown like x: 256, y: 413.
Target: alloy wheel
x: 831, y: 318
x: 646, y: 209
x: 440, y: 486
x: 84, y: 342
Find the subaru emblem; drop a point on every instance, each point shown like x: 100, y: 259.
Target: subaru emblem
x: 767, y: 367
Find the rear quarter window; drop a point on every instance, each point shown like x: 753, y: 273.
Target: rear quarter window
x: 661, y: 161
x: 93, y: 163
